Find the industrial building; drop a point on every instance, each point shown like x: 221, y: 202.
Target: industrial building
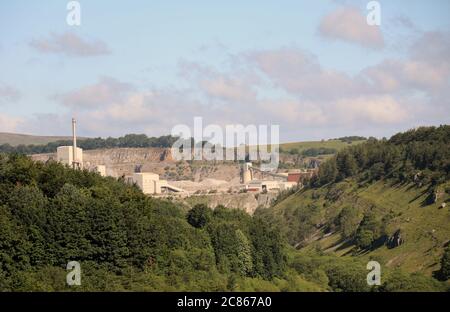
x: 269, y: 185
x: 73, y: 155
x: 150, y: 183
x: 301, y: 175
x: 278, y: 181
x: 253, y: 179
x: 65, y: 155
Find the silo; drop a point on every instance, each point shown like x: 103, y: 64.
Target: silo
x: 246, y: 173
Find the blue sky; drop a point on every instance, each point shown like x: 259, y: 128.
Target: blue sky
x: 154, y: 64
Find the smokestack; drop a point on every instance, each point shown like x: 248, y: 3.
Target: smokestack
x: 74, y: 137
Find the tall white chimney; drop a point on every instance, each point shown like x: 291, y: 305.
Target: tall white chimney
x: 74, y: 148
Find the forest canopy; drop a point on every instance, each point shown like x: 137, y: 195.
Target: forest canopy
x: 129, y: 140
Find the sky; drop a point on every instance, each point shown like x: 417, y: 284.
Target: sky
x: 315, y: 68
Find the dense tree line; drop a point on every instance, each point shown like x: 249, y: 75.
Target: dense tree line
x: 444, y: 272
x: 350, y: 275
x: 420, y: 154
x: 129, y: 140
x: 330, y: 204
x: 350, y: 139
x: 311, y: 152
x: 51, y: 214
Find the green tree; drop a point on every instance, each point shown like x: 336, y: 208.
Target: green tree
x: 348, y: 220
x: 269, y: 259
x: 106, y: 233
x: 346, y: 164
x: 444, y: 271
x: 69, y: 225
x: 29, y: 207
x: 347, y: 277
x: 14, y: 247
x: 199, y: 215
x: 328, y: 171
x: 369, y: 230
x: 244, y: 253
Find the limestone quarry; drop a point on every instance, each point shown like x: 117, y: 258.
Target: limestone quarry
x: 233, y: 184
x: 210, y: 182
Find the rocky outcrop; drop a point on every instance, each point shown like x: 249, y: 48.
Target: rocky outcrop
x: 118, y: 155
x: 244, y: 201
x: 395, y: 240
x: 123, y: 161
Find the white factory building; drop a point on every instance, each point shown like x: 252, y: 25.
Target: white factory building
x: 64, y: 154
x: 278, y: 182
x: 269, y: 185
x: 150, y: 183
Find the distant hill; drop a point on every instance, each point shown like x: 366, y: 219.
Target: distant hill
x: 299, y: 147
x: 31, y: 144
x: 15, y: 139
x: 384, y: 199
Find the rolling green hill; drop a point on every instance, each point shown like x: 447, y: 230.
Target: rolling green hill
x: 332, y: 144
x: 32, y: 144
x: 124, y: 240
x: 379, y: 200
x: 382, y: 200
x: 15, y: 139
x: 424, y: 229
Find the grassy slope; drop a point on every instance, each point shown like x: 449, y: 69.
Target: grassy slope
x: 15, y: 139
x: 424, y: 228
x: 301, y: 146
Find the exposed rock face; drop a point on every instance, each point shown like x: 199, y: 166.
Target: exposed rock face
x: 118, y: 155
x: 122, y: 161
x: 244, y: 201
x: 166, y: 155
x: 127, y: 155
x: 395, y: 240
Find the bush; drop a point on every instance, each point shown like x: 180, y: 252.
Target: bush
x: 199, y: 215
x: 443, y: 273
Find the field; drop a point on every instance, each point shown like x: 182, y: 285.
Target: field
x: 15, y: 139
x: 301, y: 146
x: 424, y: 228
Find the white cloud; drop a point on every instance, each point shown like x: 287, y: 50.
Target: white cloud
x: 70, y: 44
x: 237, y: 85
x: 427, y: 68
x: 301, y: 74
x: 379, y: 110
x: 286, y: 86
x: 349, y: 24
x: 103, y: 93
x: 9, y: 123
x: 227, y: 89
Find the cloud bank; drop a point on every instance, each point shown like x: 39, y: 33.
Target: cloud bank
x: 70, y: 44
x: 349, y: 24
x: 286, y: 86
